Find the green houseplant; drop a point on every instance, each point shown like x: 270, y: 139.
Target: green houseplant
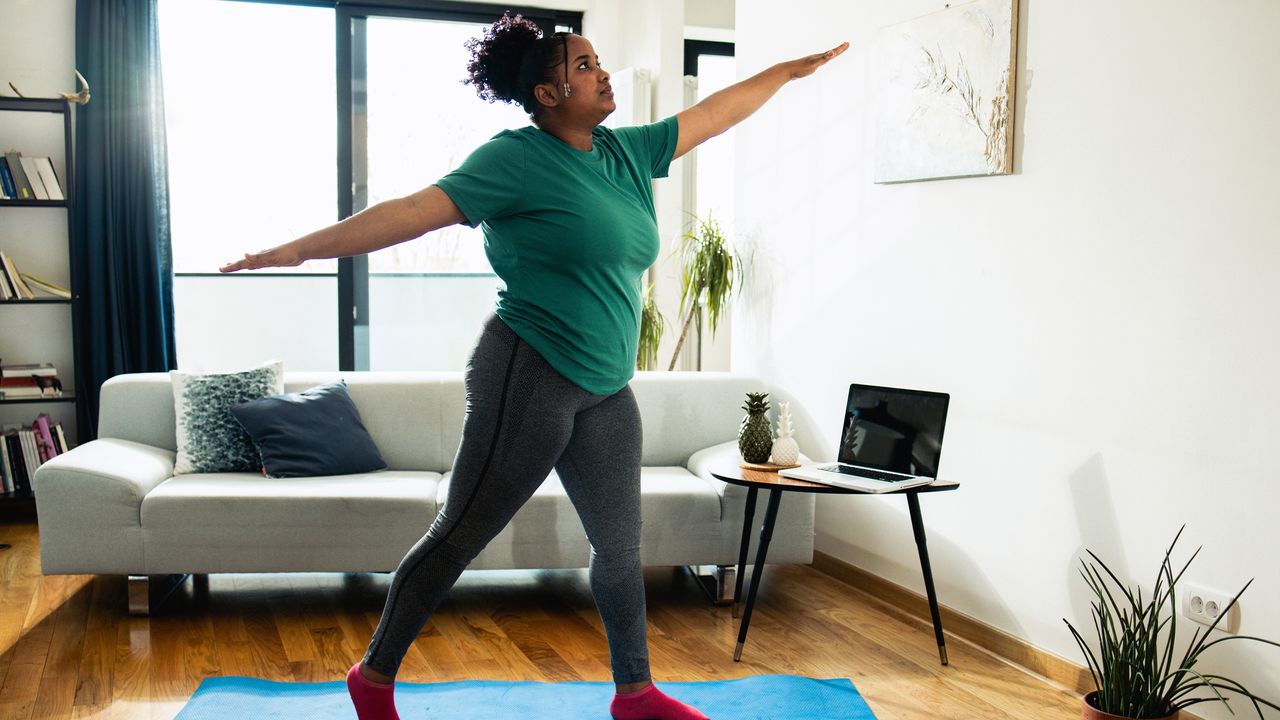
x: 710, y: 272
x: 652, y: 325
x: 1137, y: 672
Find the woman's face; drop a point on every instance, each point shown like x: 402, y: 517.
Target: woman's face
x: 591, y: 95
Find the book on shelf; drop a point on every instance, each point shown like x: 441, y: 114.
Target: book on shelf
x: 17, y: 464
x: 45, y: 286
x: 30, y: 388
x: 10, y: 394
x: 41, y: 451
x: 6, y: 180
x: 6, y: 475
x: 27, y: 178
x: 32, y: 171
x: 21, y: 463
x: 30, y: 454
x: 32, y: 381
x: 44, y: 433
x: 44, y: 167
x: 24, y: 448
x: 22, y: 186
x: 25, y: 369
x: 17, y: 285
x: 29, y: 381
x: 14, y: 277
x: 10, y: 289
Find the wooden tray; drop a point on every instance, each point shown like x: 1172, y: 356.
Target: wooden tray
x: 764, y: 467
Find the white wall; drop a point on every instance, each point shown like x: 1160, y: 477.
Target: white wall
x: 1104, y: 319
x: 39, y: 51
x: 709, y: 20
x: 709, y: 13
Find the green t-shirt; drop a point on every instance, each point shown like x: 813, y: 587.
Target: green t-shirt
x: 571, y: 234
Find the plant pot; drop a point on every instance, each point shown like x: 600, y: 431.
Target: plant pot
x: 1089, y: 712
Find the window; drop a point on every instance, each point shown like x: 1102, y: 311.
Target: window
x: 249, y: 98
x: 713, y: 66
x: 420, y: 128
x: 258, y: 157
x: 708, y: 178
x: 427, y: 297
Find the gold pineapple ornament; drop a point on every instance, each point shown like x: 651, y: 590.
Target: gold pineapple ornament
x: 755, y: 437
x: 785, y: 449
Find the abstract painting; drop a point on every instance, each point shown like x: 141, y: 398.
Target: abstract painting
x: 946, y: 93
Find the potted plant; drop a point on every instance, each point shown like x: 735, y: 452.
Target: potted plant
x: 1136, y: 671
x: 710, y: 272
x: 652, y: 325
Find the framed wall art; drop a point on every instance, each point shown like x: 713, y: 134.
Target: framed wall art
x: 946, y: 93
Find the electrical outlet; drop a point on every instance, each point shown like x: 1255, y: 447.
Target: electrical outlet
x: 1205, y: 606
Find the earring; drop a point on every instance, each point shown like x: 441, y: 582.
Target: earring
x: 567, y: 90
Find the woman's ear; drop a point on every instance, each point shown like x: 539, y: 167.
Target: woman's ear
x: 545, y: 94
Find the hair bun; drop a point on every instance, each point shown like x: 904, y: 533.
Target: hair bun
x: 494, y: 68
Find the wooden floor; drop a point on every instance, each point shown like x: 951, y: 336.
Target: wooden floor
x: 69, y: 649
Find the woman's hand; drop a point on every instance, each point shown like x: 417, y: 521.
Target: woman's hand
x: 730, y: 106
x: 805, y: 66
x: 280, y: 256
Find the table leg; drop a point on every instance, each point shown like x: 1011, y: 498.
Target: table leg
x: 766, y: 534
x: 748, y: 520
x: 917, y: 526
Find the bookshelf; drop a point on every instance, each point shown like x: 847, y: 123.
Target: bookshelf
x: 42, y: 329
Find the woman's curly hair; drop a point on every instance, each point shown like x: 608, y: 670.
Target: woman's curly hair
x: 511, y: 59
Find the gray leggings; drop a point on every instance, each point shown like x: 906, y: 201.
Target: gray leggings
x: 523, y: 419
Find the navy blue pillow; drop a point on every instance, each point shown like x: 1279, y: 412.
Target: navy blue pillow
x: 314, y: 432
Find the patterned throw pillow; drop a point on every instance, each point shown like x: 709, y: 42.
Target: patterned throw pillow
x: 209, y: 438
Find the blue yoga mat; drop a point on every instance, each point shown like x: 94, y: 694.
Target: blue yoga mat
x: 764, y: 697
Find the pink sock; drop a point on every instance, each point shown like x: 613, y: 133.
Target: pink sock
x: 651, y: 704
x: 373, y: 701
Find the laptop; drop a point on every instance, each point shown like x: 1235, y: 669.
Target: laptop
x: 891, y: 439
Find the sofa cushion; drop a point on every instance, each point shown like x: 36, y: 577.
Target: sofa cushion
x: 680, y: 515
x: 308, y: 434
x: 247, y: 500
x: 241, y: 522
x: 209, y: 439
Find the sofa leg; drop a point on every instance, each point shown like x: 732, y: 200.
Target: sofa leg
x: 146, y: 596
x: 717, y: 584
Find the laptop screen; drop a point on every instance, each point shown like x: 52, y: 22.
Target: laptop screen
x: 893, y: 429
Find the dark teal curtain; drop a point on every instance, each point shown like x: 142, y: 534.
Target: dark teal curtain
x: 121, y: 263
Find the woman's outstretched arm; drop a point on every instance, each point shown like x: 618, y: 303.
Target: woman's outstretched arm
x: 722, y: 110
x: 380, y: 226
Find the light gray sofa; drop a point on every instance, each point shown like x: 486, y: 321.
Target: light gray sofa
x: 113, y: 505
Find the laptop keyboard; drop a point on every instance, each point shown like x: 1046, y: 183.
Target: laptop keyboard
x: 864, y: 472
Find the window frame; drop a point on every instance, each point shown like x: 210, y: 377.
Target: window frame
x: 694, y: 49
x: 353, y: 272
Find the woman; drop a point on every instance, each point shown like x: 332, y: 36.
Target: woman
x: 569, y: 225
